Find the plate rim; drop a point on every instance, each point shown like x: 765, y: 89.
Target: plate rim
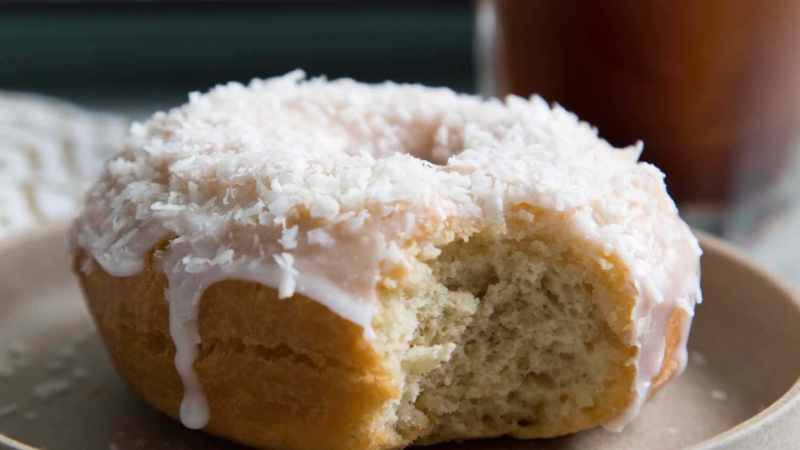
x: 789, y: 402
x: 786, y: 404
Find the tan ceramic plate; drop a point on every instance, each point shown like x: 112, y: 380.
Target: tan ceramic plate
x: 59, y: 392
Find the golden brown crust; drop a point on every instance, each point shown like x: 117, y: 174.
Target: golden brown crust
x: 670, y: 366
x: 298, y: 377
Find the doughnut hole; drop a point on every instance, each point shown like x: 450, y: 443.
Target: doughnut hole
x: 433, y: 141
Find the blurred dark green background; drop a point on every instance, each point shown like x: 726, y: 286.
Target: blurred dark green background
x: 138, y: 56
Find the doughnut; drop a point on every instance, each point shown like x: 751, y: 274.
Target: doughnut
x: 50, y: 153
x: 310, y: 264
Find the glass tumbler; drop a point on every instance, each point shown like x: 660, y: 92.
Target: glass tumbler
x: 712, y: 88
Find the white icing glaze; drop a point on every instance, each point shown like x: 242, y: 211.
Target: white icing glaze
x: 246, y: 189
x: 678, y: 291
x: 341, y: 277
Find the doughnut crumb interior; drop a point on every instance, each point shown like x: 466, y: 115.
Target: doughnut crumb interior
x: 312, y: 264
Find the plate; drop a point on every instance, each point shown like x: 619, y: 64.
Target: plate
x: 58, y: 390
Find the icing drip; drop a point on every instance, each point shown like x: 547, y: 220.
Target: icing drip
x: 342, y: 277
x: 682, y: 349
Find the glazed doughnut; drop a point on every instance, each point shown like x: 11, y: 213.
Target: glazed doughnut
x: 314, y: 264
x: 50, y: 153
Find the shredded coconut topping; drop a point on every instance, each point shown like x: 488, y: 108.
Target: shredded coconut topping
x: 330, y: 188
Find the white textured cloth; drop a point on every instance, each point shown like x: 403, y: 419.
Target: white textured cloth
x: 50, y: 152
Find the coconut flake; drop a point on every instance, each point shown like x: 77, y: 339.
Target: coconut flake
x: 288, y: 238
x: 47, y: 390
x: 719, y: 395
x: 8, y: 410
x: 318, y: 236
x: 286, y: 263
